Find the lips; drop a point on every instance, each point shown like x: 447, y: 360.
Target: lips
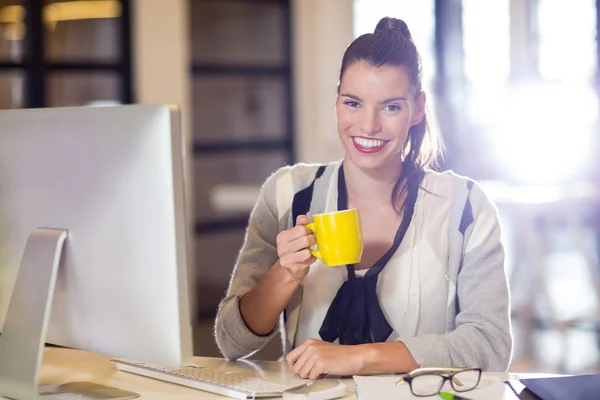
x: 368, y: 146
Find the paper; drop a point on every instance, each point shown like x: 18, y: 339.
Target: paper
x: 384, y: 387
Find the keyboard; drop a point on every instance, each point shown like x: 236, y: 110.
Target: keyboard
x: 228, y: 384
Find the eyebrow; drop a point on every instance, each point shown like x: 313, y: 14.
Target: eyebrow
x: 391, y: 99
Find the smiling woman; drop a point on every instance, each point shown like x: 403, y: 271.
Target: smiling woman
x: 430, y: 288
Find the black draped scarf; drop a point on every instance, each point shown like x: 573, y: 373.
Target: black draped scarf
x: 355, y: 315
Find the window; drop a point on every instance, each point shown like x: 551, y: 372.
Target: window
x: 486, y: 41
x: 567, y: 40
x: 530, y: 66
x: 64, y: 53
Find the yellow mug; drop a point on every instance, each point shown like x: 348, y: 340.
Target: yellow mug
x: 339, y: 237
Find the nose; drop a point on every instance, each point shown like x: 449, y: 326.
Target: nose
x: 370, y: 123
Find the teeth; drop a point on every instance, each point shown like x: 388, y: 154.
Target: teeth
x: 368, y: 143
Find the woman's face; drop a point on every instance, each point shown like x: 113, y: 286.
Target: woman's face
x: 375, y: 108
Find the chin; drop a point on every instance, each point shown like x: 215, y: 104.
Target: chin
x: 379, y: 162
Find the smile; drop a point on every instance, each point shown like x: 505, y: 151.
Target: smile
x: 368, y: 146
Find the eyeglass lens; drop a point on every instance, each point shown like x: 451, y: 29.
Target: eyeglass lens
x: 431, y: 384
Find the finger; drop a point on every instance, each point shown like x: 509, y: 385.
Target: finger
x: 301, y: 243
x: 312, y: 240
x: 301, y: 362
x: 301, y: 220
x: 317, y: 371
x: 289, y: 235
x: 308, y: 366
x: 302, y: 258
x: 294, y: 354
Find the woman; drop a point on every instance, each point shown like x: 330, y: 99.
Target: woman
x: 430, y: 289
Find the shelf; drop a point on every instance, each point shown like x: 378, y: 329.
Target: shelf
x: 277, y: 2
x: 206, y: 69
x: 241, y: 146
x: 75, y: 66
x: 242, y: 81
x: 221, y: 225
x: 11, y: 65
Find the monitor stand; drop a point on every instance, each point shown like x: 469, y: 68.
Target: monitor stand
x: 24, y: 332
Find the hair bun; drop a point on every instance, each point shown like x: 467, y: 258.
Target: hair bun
x: 393, y: 24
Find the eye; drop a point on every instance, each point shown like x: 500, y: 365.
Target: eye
x: 351, y: 103
x: 392, y: 107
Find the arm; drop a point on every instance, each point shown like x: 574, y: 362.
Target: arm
x: 482, y: 337
x: 261, y: 307
x: 257, y: 295
x: 387, y: 358
x: 315, y: 358
x: 257, y: 255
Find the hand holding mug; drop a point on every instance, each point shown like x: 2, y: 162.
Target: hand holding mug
x: 293, y: 248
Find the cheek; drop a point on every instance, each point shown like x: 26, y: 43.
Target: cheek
x: 398, y: 124
x: 344, y: 118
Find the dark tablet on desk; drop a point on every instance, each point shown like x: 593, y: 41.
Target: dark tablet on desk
x: 577, y: 387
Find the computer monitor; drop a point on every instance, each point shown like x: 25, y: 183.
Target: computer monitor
x: 109, y: 182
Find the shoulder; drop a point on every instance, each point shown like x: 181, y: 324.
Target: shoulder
x: 298, y: 176
x: 459, y: 190
x: 450, y: 184
x: 280, y: 188
x: 446, y: 182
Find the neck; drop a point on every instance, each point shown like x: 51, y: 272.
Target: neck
x: 374, y: 187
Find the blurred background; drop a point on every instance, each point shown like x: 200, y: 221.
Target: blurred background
x: 512, y: 87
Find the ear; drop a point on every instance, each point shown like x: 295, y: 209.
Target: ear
x: 419, y: 109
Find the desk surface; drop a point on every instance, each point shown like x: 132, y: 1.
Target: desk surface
x: 66, y: 365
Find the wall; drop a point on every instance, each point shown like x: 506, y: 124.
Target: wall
x: 161, y: 70
x: 161, y: 55
x: 322, y: 30
x: 161, y: 52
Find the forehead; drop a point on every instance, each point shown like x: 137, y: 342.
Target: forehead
x: 364, y: 80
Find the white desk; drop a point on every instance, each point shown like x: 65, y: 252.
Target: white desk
x: 65, y: 365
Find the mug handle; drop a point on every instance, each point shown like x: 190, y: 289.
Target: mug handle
x: 315, y: 253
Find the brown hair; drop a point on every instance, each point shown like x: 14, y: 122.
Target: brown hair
x: 392, y: 44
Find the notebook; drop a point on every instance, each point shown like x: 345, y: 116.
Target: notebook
x: 577, y: 387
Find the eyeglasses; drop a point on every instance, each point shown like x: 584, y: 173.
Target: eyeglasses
x: 426, y: 382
